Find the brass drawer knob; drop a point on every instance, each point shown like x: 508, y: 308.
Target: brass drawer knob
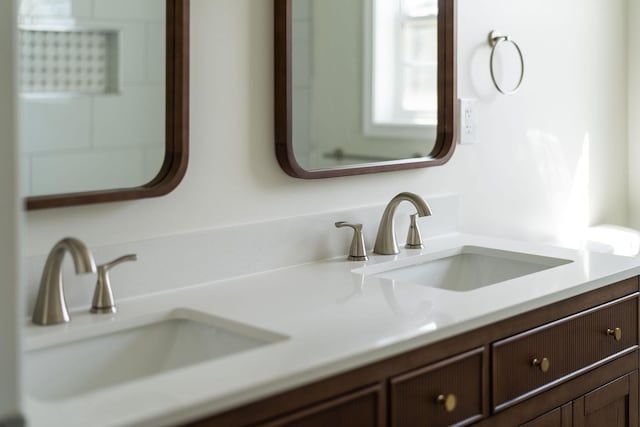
x: 449, y: 402
x: 543, y: 364
x: 615, y: 333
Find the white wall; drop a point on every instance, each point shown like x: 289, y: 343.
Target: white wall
x: 549, y: 160
x: 634, y: 113
x: 9, y: 224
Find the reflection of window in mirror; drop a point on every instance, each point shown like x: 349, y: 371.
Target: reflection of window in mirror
x: 401, y: 71
x: 363, y: 86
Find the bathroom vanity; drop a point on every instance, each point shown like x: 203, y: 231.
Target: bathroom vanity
x: 540, y: 335
x: 571, y: 363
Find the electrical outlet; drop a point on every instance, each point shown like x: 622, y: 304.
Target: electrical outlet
x: 468, y: 132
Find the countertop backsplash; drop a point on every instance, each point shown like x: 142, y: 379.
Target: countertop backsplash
x: 170, y: 262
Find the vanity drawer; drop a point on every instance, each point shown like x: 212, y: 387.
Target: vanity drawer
x: 445, y: 393
x: 362, y: 408
x: 540, y: 358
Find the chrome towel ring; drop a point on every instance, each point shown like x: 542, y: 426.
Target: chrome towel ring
x: 495, y: 38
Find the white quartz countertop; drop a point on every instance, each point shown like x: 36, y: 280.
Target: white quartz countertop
x: 334, y: 320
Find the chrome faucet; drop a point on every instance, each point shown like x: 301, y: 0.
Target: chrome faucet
x: 386, y: 243
x: 51, y: 307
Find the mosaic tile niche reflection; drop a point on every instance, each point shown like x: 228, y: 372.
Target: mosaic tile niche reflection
x: 73, y: 62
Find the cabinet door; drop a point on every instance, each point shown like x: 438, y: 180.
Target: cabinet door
x: 559, y: 417
x: 613, y: 405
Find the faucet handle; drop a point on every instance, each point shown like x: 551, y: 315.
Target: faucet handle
x: 103, y: 296
x: 357, y: 251
x: 51, y: 307
x: 414, y: 239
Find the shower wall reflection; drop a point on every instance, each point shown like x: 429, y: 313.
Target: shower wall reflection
x: 92, y: 93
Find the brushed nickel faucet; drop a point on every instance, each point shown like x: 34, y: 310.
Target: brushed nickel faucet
x: 386, y: 243
x: 357, y: 250
x: 51, y: 307
x: 414, y: 239
x: 103, y: 301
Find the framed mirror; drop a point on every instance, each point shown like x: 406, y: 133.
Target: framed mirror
x: 103, y: 99
x: 363, y: 86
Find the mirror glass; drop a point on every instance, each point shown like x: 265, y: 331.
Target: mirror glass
x: 364, y: 82
x: 93, y: 93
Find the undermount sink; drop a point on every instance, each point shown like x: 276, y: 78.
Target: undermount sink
x: 182, y: 339
x: 463, y: 269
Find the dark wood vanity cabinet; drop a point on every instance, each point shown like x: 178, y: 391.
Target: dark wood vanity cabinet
x: 362, y: 408
x: 559, y: 417
x: 614, y: 404
x: 537, y: 359
x: 590, y: 372
x: 445, y: 393
x: 571, y: 363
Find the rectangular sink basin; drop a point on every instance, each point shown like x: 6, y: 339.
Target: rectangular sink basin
x: 185, y: 338
x: 463, y: 269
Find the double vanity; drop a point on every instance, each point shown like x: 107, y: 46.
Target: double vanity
x: 272, y: 324
x: 468, y: 330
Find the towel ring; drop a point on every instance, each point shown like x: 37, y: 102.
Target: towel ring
x: 495, y: 38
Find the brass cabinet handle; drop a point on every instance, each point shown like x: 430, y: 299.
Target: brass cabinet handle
x: 615, y: 333
x: 543, y: 364
x: 449, y: 402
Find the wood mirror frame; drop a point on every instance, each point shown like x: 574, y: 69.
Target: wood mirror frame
x: 176, y: 124
x: 445, y: 140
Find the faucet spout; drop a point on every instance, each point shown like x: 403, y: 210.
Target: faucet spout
x: 386, y: 243
x: 51, y: 306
